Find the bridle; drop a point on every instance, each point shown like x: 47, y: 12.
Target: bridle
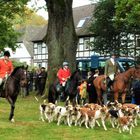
x: 17, y: 79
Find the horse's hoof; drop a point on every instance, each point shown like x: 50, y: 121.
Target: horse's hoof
x: 12, y: 120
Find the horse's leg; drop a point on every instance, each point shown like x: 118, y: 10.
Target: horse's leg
x: 116, y: 96
x: 52, y: 95
x: 55, y: 98
x: 123, y: 97
x: 105, y: 98
x: 12, y: 103
x: 99, y: 96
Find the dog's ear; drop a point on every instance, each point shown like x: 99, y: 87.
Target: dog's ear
x: 56, y: 102
x: 116, y: 102
x: 108, y: 103
x: 44, y: 101
x: 67, y: 108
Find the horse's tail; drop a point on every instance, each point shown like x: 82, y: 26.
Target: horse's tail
x: 76, y: 99
x: 50, y: 96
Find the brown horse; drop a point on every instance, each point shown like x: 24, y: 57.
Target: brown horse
x: 120, y: 85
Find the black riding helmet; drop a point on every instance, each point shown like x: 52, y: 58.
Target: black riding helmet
x: 7, y: 53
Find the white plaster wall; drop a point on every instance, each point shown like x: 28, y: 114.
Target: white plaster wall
x: 21, y: 54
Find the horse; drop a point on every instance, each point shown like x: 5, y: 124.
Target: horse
x: 70, y: 88
x: 17, y: 79
x: 120, y: 85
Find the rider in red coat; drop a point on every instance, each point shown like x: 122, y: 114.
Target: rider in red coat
x: 6, y: 67
x: 63, y: 74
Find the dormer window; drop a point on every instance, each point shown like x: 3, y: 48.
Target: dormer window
x: 82, y: 21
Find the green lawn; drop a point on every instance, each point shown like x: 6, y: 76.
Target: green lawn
x: 28, y: 127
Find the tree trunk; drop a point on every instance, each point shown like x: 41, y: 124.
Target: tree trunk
x: 61, y: 37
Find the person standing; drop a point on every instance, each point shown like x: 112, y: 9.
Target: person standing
x: 42, y: 81
x: 6, y: 67
x: 83, y: 91
x: 92, y: 95
x: 63, y: 75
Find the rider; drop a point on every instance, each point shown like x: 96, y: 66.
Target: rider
x: 63, y: 75
x: 111, y: 68
x: 6, y: 67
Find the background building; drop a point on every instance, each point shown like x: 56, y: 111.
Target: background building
x: 34, y: 51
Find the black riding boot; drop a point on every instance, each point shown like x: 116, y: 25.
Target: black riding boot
x: 62, y: 96
x: 109, y: 84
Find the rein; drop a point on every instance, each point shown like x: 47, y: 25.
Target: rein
x: 13, y: 77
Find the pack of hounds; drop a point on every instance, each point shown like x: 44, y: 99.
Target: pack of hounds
x: 124, y: 117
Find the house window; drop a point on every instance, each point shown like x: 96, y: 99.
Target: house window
x: 43, y: 50
x: 43, y: 56
x: 80, y: 54
x: 137, y: 52
x: 86, y: 53
x: 81, y: 23
x: 39, y: 56
x: 35, y: 51
x: 86, y: 45
x: 91, y: 39
x: 81, y: 47
x: 35, y: 45
x: 35, y: 64
x: 81, y: 40
x: 39, y: 49
x: 46, y: 55
x: 138, y: 42
x: 35, y: 56
x: 43, y: 64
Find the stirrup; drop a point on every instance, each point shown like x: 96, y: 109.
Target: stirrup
x: 4, y: 85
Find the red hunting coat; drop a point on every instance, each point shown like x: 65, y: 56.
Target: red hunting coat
x: 5, y: 67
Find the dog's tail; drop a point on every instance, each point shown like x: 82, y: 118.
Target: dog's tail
x: 38, y: 99
x: 67, y: 101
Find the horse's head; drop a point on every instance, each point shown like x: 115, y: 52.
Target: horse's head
x: 76, y: 77
x: 134, y: 72
x: 20, y: 74
x: 137, y: 72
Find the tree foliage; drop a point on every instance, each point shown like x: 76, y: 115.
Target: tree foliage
x: 128, y: 15
x: 103, y: 27
x: 30, y: 18
x: 114, y: 22
x: 9, y: 9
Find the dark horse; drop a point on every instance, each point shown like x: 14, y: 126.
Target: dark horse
x: 12, y: 86
x: 120, y: 85
x: 70, y: 89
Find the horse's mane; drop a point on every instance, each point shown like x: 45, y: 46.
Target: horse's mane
x: 15, y: 70
x: 73, y: 74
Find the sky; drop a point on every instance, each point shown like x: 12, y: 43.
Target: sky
x: 41, y: 3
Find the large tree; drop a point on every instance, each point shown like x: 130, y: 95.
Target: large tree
x: 61, y: 37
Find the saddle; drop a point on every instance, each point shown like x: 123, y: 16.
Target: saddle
x: 2, y: 86
x: 109, y: 84
x: 58, y: 86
